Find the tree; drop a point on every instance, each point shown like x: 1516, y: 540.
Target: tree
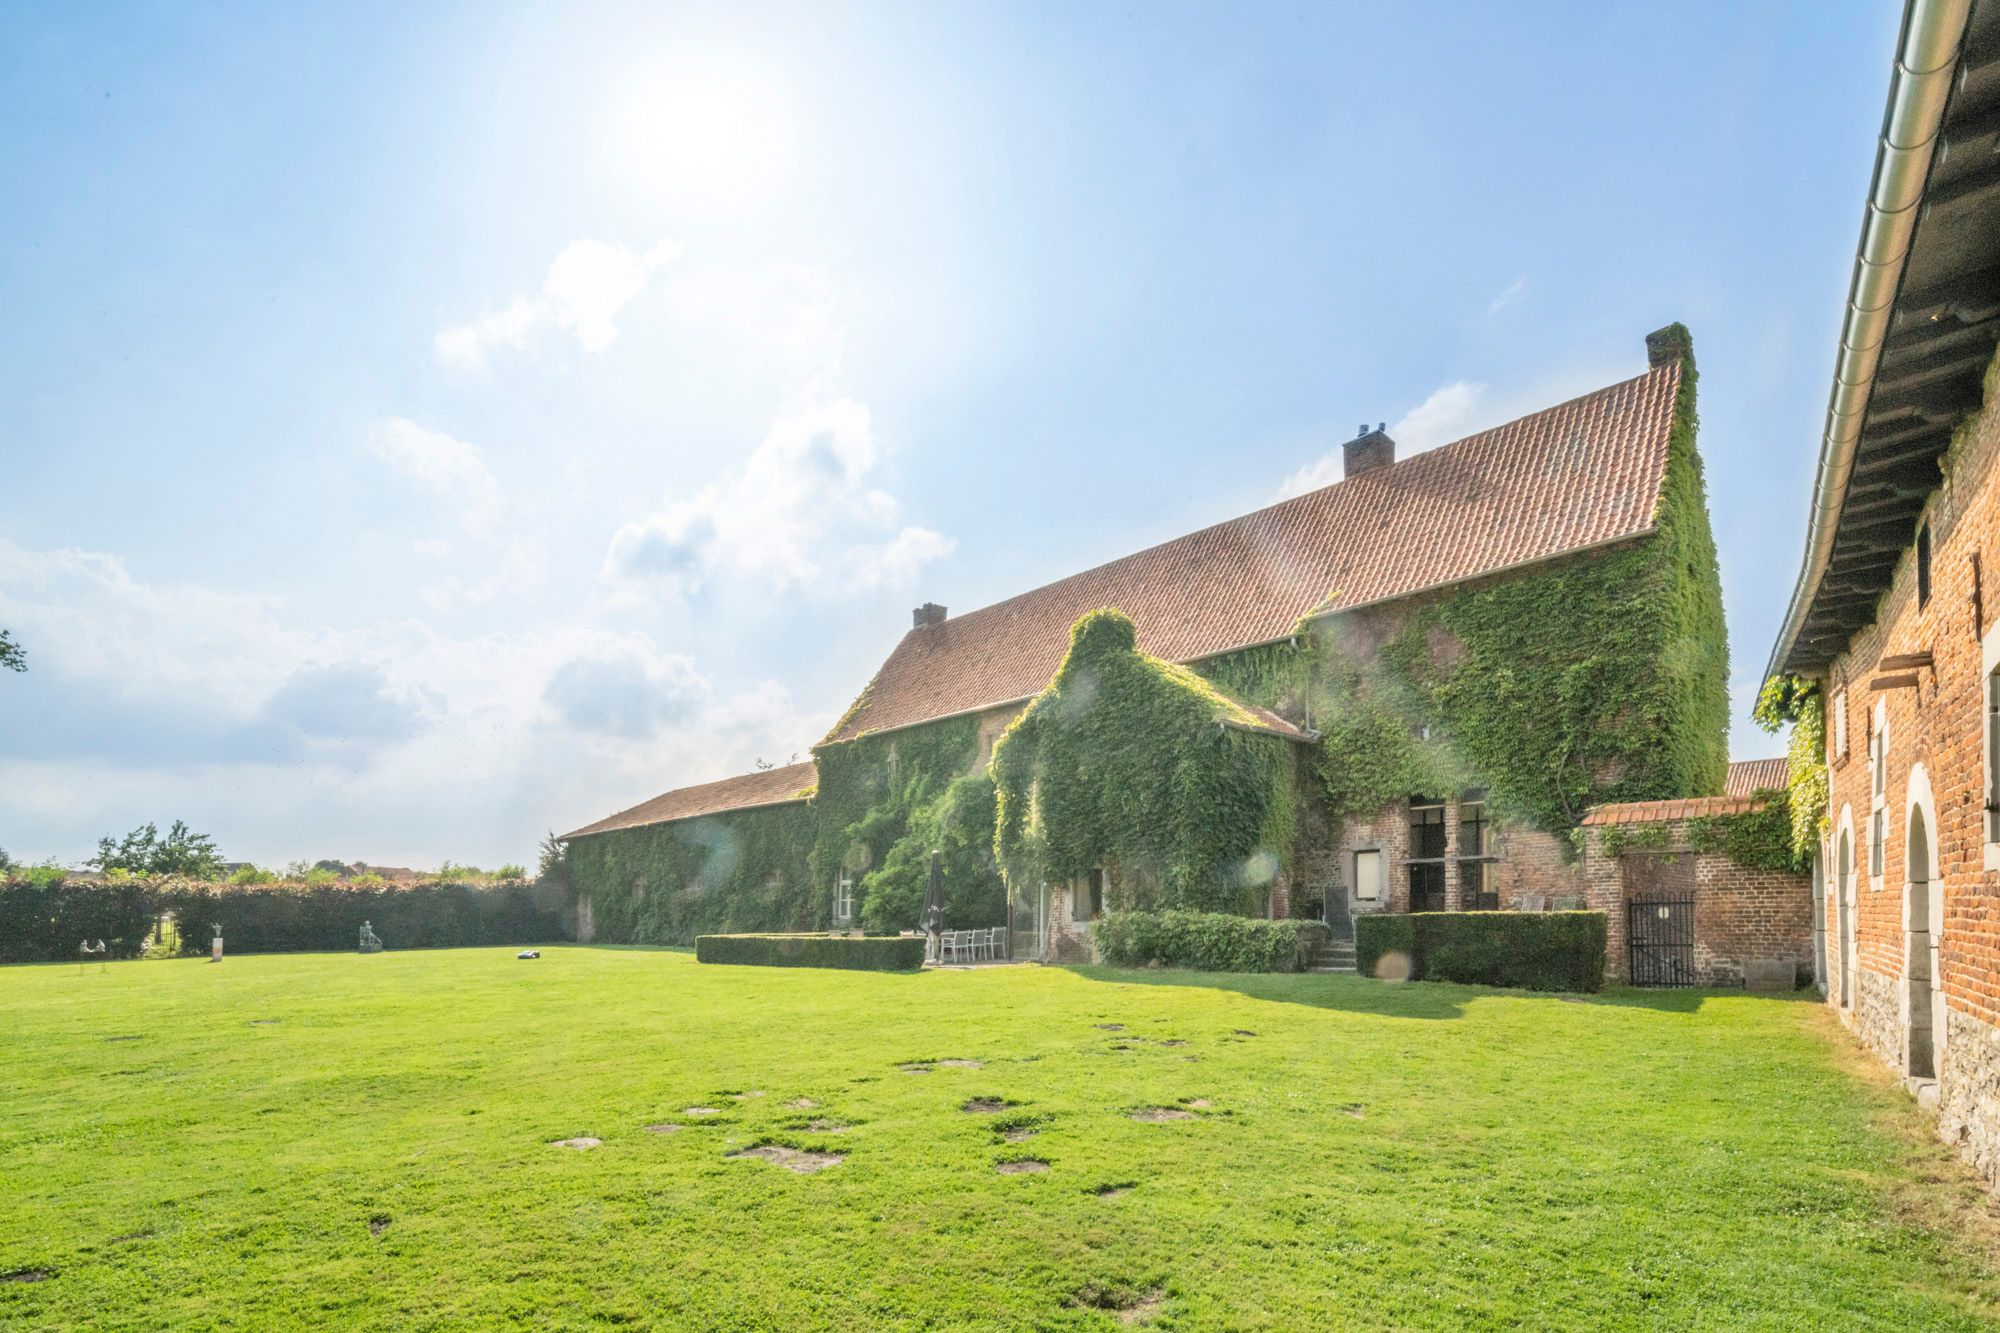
x: 11, y: 656
x: 144, y: 852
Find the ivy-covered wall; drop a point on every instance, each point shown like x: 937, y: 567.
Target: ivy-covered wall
x: 1601, y: 678
x: 886, y: 801
x: 1130, y: 762
x: 744, y: 871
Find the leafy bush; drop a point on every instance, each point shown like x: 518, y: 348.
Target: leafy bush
x: 867, y: 953
x: 1206, y: 941
x: 1530, y: 950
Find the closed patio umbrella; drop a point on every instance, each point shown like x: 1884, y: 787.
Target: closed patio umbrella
x: 933, y: 917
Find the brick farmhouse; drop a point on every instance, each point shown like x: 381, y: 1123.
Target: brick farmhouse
x: 1895, y: 621
x: 1397, y: 588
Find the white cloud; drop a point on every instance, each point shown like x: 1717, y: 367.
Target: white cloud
x: 801, y: 506
x: 391, y: 742
x: 1450, y: 413
x: 511, y: 551
x: 442, y: 465
x: 1511, y: 293
x: 587, y: 287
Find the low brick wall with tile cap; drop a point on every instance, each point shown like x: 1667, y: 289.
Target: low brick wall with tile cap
x: 1743, y: 916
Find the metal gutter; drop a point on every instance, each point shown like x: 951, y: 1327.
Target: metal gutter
x: 1927, y: 53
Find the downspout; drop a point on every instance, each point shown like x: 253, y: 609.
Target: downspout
x: 1926, y: 66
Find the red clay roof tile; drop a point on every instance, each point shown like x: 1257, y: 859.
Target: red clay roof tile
x: 1582, y: 474
x: 770, y: 786
x: 1748, y: 775
x: 1659, y: 812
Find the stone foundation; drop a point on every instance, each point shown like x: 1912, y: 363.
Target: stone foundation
x: 1969, y: 1092
x: 1878, y: 1017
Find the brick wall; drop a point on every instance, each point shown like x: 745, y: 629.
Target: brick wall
x: 1935, y: 726
x: 1743, y: 917
x: 1530, y: 870
x: 1934, y: 762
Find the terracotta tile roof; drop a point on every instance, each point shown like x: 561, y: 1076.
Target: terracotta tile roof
x: 1748, y: 775
x: 1263, y: 719
x: 1659, y: 812
x: 1577, y: 475
x: 771, y: 786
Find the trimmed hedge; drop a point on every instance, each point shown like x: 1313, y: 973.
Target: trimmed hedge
x: 42, y: 922
x: 1207, y: 941
x: 866, y: 953
x: 1561, y: 951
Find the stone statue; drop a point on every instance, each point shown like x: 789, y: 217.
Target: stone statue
x: 370, y: 941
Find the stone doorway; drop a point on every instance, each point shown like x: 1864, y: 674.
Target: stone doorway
x: 1923, y: 1023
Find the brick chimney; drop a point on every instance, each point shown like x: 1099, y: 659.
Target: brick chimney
x: 1665, y: 346
x: 930, y: 613
x: 1367, y: 451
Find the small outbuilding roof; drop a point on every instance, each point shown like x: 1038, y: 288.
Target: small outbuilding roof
x: 783, y: 785
x: 1750, y: 775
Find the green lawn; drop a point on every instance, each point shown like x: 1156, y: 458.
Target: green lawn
x: 192, y: 1146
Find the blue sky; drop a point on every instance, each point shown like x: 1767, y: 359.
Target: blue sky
x: 422, y: 427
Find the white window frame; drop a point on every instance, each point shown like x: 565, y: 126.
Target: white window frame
x: 1370, y: 871
x: 843, y: 899
x: 1838, y: 734
x: 1878, y: 796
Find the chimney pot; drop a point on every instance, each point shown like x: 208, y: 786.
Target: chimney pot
x: 930, y: 613
x: 1366, y: 452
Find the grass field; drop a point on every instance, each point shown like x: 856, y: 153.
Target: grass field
x: 339, y: 1141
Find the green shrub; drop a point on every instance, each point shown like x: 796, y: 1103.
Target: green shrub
x: 1561, y: 951
x: 867, y: 953
x: 1206, y: 941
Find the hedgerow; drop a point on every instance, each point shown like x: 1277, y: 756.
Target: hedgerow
x: 872, y: 953
x: 1207, y: 941
x: 42, y: 921
x: 1554, y: 951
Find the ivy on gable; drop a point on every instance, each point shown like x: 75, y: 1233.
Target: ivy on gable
x: 1127, y: 760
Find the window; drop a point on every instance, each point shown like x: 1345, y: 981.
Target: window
x: 1426, y: 886
x: 1839, y: 710
x: 1477, y: 889
x: 1368, y: 876
x: 843, y: 899
x: 1426, y: 828
x: 1878, y: 831
x: 1087, y: 899
x: 1923, y: 566
x: 1878, y: 751
x: 1426, y: 859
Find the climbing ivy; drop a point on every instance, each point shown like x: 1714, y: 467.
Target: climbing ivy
x: 886, y: 801
x: 1761, y: 839
x: 743, y: 871
x: 1797, y: 701
x: 1129, y: 761
x: 1601, y: 678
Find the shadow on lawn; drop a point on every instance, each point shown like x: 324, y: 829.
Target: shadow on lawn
x: 1409, y: 999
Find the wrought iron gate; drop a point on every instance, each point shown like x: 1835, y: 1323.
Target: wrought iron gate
x: 1659, y: 936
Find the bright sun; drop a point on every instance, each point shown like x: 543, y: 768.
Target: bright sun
x: 700, y: 130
